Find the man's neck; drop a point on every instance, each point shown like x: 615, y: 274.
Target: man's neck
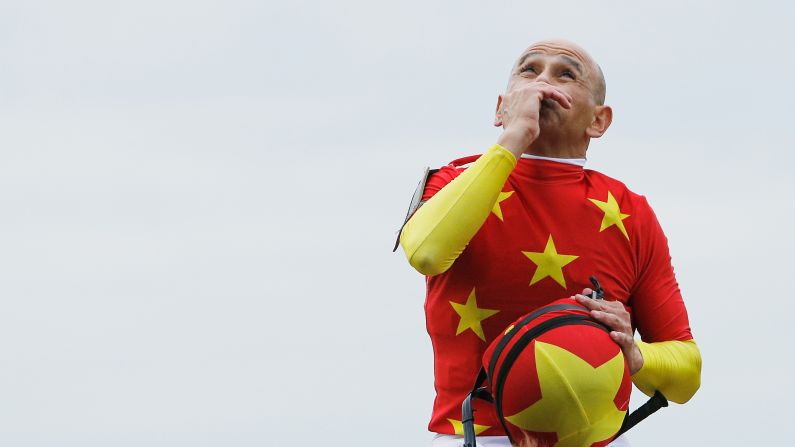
x: 557, y: 149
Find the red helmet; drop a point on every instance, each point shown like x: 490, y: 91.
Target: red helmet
x: 556, y: 375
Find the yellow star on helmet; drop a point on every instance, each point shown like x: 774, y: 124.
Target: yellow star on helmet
x: 471, y: 315
x: 613, y: 214
x: 577, y: 400
x: 496, y: 209
x: 458, y: 427
x: 549, y: 263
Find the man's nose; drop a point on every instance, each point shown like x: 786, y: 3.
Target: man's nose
x: 543, y: 76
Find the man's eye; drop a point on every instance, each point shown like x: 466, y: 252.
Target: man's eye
x: 529, y: 68
x: 568, y: 73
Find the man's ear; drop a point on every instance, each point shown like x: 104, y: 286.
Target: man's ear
x: 602, y: 118
x: 498, y: 112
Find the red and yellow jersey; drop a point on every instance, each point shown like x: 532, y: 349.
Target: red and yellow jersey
x: 553, y: 226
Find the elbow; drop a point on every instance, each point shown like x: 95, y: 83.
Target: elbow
x: 428, y: 252
x: 672, y: 367
x: 423, y: 255
x: 690, y: 381
x: 428, y: 263
x: 687, y: 389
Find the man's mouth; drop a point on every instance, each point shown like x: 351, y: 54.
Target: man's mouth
x: 547, y: 102
x: 548, y: 109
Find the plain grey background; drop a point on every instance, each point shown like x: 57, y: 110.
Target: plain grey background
x: 198, y: 200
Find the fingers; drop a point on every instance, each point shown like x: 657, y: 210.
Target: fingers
x: 589, y: 303
x: 556, y: 94
x: 611, y: 320
x: 541, y: 91
x: 611, y: 313
x: 592, y: 304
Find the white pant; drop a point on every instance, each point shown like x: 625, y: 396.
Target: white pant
x: 500, y: 441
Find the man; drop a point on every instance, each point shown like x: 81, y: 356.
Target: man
x: 526, y: 224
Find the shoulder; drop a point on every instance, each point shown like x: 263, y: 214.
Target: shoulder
x: 459, y: 165
x: 437, y: 178
x: 619, y: 190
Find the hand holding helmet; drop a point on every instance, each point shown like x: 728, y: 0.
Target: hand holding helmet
x: 613, y: 315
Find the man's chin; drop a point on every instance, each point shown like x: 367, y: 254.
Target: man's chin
x: 549, y: 126
x: 548, y: 118
x: 548, y: 108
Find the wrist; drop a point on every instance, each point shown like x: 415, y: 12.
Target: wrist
x: 647, y: 355
x: 637, y: 361
x: 514, y: 141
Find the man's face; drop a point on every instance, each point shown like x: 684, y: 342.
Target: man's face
x: 568, y: 67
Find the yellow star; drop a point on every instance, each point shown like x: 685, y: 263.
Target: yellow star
x: 549, y: 263
x: 471, y: 315
x: 613, y: 215
x: 571, y: 406
x: 496, y: 209
x: 458, y: 426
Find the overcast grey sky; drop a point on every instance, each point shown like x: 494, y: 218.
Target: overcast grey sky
x: 199, y: 199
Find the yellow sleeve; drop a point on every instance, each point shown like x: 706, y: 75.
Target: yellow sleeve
x: 441, y: 228
x: 672, y: 367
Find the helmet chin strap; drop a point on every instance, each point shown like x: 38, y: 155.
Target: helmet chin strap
x: 468, y: 413
x: 652, y: 405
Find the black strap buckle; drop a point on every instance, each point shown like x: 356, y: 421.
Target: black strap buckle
x: 598, y: 291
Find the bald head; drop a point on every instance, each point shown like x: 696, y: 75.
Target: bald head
x: 561, y: 89
x: 577, y: 56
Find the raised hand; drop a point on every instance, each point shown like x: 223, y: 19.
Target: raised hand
x: 519, y: 110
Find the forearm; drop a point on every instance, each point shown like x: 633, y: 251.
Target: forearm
x: 439, y: 230
x: 672, y: 367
